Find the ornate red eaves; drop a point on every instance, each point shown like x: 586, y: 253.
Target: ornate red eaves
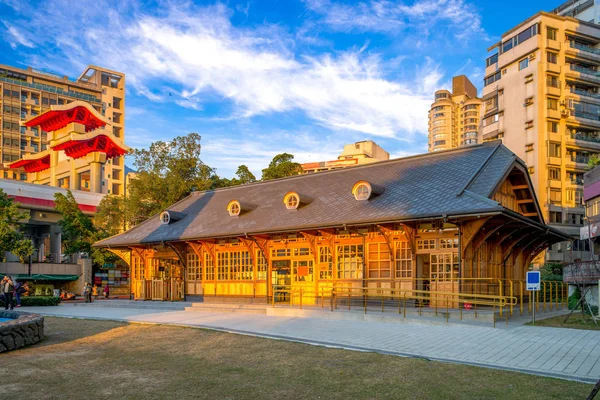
x: 36, y: 165
x: 55, y: 119
x: 100, y: 143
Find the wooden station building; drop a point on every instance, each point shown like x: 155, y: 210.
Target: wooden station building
x: 430, y: 222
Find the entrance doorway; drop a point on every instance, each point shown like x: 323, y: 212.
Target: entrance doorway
x: 281, y: 279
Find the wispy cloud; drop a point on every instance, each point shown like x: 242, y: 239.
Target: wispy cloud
x: 16, y: 37
x: 456, y: 16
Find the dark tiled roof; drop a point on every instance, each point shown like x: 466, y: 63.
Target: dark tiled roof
x: 430, y: 185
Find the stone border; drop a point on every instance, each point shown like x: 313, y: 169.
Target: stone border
x: 25, y: 329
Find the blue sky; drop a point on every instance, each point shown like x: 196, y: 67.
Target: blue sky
x: 257, y: 78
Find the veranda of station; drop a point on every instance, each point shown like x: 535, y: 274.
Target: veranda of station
x: 459, y: 226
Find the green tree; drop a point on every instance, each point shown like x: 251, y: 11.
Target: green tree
x: 78, y: 231
x: 166, y: 173
x: 244, y: 175
x: 11, y: 236
x: 281, y: 166
x: 593, y: 162
x: 110, y: 215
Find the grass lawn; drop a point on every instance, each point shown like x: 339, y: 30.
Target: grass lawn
x: 81, y: 359
x: 576, y: 321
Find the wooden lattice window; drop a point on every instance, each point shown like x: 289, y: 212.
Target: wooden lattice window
x: 379, y: 261
x: 209, y: 265
x: 261, y: 265
x: 403, y: 260
x: 325, y: 263
x: 350, y: 261
x: 194, y: 267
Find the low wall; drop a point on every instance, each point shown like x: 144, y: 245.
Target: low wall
x: 14, y: 268
x: 23, y: 331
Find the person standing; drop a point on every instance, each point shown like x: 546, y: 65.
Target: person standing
x: 106, y: 291
x: 20, y: 289
x: 8, y: 287
x: 95, y: 292
x: 87, y: 295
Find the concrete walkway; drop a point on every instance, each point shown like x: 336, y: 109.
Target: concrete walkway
x: 555, y: 352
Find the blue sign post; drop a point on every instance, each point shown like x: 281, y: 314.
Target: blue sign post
x: 533, y: 283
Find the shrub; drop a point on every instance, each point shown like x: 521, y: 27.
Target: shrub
x: 39, y: 301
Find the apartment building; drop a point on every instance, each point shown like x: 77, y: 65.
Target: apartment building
x: 541, y: 97
x: 585, y: 10
x: 454, y: 117
x: 358, y: 153
x: 26, y: 93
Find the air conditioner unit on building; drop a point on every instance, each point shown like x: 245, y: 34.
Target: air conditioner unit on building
x: 532, y: 56
x: 562, y: 103
x: 564, y: 113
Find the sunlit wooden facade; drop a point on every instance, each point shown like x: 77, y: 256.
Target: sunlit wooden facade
x: 477, y: 246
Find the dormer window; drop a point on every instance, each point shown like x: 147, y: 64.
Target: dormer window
x: 234, y: 208
x: 291, y: 201
x: 363, y: 190
x: 169, y: 217
x: 165, y: 218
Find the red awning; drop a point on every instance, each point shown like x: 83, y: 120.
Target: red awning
x: 55, y: 119
x: 32, y: 165
x: 100, y: 143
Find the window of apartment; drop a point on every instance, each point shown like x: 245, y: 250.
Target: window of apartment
x: 23, y: 130
x: 580, y: 245
x: 554, y: 174
x: 555, y: 217
x: 552, y: 81
x: 491, y: 60
x: 35, y: 131
x: 552, y: 58
x: 551, y: 33
x: 439, y: 143
x: 575, y: 196
x: 552, y: 126
x: 438, y: 115
x: 490, y: 120
x: 524, y: 63
x: 575, y: 219
x: 555, y: 196
x: 553, y: 149
x: 492, y: 78
x: 552, y: 104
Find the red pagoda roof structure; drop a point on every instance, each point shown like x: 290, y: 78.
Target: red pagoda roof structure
x: 75, y: 144
x: 97, y: 143
x: 31, y: 164
x: 60, y: 116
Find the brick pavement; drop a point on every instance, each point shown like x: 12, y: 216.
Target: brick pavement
x: 562, y: 353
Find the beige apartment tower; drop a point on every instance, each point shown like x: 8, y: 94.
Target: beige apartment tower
x: 541, y: 97
x: 26, y: 93
x: 454, y: 117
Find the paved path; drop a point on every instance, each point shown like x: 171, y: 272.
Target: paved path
x: 556, y: 352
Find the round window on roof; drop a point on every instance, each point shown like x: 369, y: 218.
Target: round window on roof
x: 234, y: 208
x: 291, y: 201
x: 362, y: 191
x: 165, y: 218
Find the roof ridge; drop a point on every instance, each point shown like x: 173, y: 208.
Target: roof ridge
x: 354, y: 168
x: 498, y: 145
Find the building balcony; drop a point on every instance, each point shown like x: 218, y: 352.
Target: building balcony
x: 555, y: 184
x: 586, y: 93
x: 577, y: 162
x: 585, y: 118
x: 583, y: 51
x: 555, y: 68
x: 583, y: 73
x: 584, y: 139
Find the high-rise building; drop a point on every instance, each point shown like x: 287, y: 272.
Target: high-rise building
x: 542, y: 98
x: 26, y: 93
x: 585, y: 10
x: 454, y: 117
x: 358, y: 153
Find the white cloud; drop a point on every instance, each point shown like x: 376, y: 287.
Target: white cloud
x: 200, y: 55
x: 393, y: 17
x: 16, y: 37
